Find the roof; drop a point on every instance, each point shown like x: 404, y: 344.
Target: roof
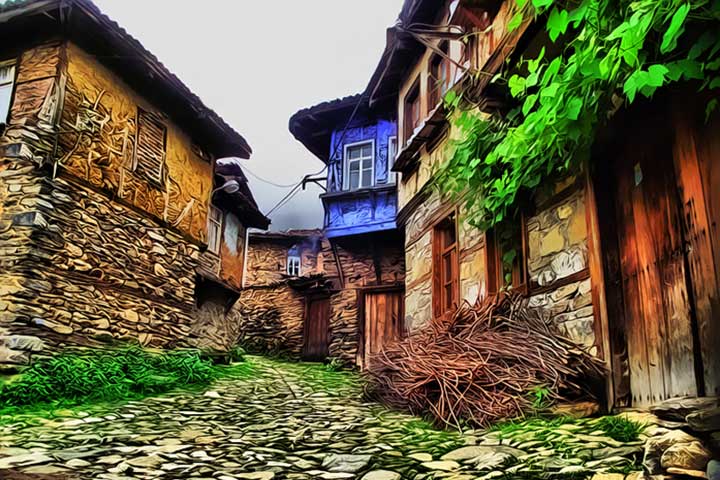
x: 82, y: 22
x: 287, y: 235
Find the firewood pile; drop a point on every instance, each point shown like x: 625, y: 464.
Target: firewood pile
x: 485, y: 363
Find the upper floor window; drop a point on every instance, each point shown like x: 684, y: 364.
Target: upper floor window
x: 439, y: 79
x: 411, y: 118
x: 214, y: 229
x: 506, y: 265
x: 392, y: 153
x: 150, y: 147
x: 293, y: 265
x: 445, y: 266
x: 7, y: 79
x: 359, y: 160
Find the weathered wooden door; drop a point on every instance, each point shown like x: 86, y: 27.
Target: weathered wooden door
x: 384, y: 320
x: 653, y: 259
x: 317, y: 329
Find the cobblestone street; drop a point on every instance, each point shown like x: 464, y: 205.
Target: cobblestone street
x: 295, y: 421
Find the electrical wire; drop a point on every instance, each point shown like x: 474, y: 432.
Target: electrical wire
x: 259, y: 178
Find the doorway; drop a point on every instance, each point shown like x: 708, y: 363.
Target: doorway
x: 317, y: 329
x: 383, y: 320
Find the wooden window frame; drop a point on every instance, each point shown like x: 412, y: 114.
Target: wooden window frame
x: 215, y: 225
x: 392, y: 153
x: 494, y: 267
x: 143, y: 117
x: 441, y: 304
x: 10, y: 84
x: 294, y: 262
x: 411, y: 111
x: 347, y: 161
x: 437, y: 85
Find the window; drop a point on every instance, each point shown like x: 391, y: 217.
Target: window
x: 392, y: 153
x: 412, y: 111
x: 359, y: 161
x: 150, y: 147
x: 445, y: 267
x: 506, y: 257
x: 7, y: 78
x: 293, y: 265
x: 214, y: 229
x: 439, y: 79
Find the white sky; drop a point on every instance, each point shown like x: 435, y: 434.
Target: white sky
x: 256, y: 62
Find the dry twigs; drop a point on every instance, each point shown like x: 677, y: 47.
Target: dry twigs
x: 481, y: 365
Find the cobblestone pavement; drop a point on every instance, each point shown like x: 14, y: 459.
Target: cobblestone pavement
x: 287, y: 421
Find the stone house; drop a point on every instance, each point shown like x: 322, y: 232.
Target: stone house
x: 625, y: 268
x: 357, y: 143
x: 114, y: 206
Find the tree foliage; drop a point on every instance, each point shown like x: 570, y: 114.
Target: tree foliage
x: 610, y: 53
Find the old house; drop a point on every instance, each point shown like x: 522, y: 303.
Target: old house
x: 114, y: 206
x: 273, y: 303
x: 623, y: 256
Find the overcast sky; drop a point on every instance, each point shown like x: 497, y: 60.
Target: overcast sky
x: 258, y: 62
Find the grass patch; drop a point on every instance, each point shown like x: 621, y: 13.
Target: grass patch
x: 534, y: 423
x: 620, y: 428
x: 77, y: 377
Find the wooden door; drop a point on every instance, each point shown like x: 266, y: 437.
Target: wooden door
x: 317, y: 329
x: 654, y: 282
x: 384, y: 320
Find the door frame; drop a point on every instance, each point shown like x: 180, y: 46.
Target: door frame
x: 361, y: 292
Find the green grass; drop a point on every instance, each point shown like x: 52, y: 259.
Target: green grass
x: 620, y: 428
x: 77, y: 377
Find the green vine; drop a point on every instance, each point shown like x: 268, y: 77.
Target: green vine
x: 609, y: 53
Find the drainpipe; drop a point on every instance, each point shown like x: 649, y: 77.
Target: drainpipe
x: 245, y: 257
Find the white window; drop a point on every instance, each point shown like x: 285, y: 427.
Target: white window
x: 214, y: 229
x: 392, y: 153
x: 293, y: 265
x: 359, y: 160
x: 7, y: 78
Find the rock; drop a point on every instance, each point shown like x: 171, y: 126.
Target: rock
x: 444, y: 465
x: 211, y: 394
x: 576, y: 409
x: 255, y: 475
x: 381, y: 475
x: 345, y: 462
x: 608, y: 476
x: 690, y: 456
x: 484, y: 457
x: 148, y: 461
x: 13, y: 357
x: 24, y: 460
x: 24, y: 342
x: 77, y: 463
x: 676, y: 409
x: 421, y: 457
x: 55, y: 327
x: 686, y: 472
x: 656, y: 446
x: 713, y: 470
x: 706, y: 420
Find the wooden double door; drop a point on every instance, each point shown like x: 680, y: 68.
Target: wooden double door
x: 383, y: 320
x: 665, y: 191
x: 317, y: 328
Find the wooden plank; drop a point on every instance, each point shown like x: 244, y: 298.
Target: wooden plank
x: 701, y: 237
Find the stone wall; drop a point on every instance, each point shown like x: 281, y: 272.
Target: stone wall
x: 267, y: 258
x: 270, y: 319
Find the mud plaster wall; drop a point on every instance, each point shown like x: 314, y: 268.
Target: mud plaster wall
x: 99, y: 119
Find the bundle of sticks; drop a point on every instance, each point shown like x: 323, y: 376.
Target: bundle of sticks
x: 486, y: 362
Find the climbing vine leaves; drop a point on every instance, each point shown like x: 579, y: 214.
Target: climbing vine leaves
x: 601, y: 55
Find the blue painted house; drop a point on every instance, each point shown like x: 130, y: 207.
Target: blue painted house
x: 358, y: 144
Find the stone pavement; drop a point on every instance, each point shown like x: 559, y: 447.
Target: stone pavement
x: 290, y: 421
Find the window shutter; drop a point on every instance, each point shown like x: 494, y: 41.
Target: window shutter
x: 150, y: 148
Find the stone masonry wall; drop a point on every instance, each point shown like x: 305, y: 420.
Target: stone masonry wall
x: 95, y: 269
x: 271, y: 319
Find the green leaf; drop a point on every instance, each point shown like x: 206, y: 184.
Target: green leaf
x: 669, y: 41
x: 521, y: 3
x: 574, y: 105
x: 541, y: 4
x: 656, y: 75
x: 710, y: 108
x: 557, y: 23
x: 517, y: 85
x: 515, y: 22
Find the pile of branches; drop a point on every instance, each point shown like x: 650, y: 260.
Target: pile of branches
x: 490, y: 361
